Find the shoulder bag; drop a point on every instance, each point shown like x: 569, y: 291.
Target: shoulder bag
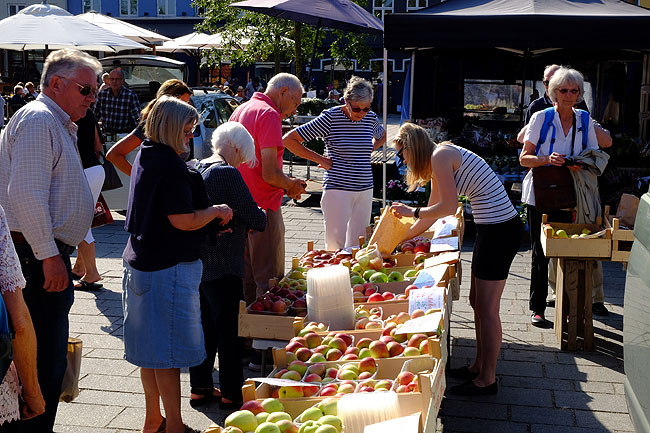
x: 112, y: 179
x: 552, y: 184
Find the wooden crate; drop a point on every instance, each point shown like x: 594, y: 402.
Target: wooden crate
x: 268, y: 326
x: 600, y: 248
x: 622, y: 240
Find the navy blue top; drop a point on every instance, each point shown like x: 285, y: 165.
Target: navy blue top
x: 161, y: 185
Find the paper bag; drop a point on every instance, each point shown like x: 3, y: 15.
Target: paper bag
x: 70, y: 384
x: 627, y: 208
x: 390, y: 231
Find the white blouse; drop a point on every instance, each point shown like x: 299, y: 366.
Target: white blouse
x: 562, y: 145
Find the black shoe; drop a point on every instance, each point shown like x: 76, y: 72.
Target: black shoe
x: 462, y: 373
x: 232, y: 406
x: 550, y: 303
x: 538, y: 320
x: 599, y: 309
x: 470, y: 389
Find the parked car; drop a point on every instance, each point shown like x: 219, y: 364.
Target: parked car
x: 636, y: 322
x: 214, y: 109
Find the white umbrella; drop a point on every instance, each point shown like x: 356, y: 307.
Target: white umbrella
x: 123, y: 28
x: 46, y: 27
x: 200, y: 40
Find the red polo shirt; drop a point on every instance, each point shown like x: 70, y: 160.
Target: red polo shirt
x: 263, y: 121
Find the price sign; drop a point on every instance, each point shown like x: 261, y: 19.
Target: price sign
x: 430, y: 276
x: 426, y: 299
x: 421, y: 325
x: 444, y: 244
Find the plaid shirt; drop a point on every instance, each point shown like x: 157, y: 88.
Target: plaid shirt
x: 43, y: 188
x: 119, y: 113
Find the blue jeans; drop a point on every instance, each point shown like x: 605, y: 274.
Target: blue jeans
x: 49, y: 313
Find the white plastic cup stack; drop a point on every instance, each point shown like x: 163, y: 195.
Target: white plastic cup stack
x: 329, y: 297
x: 362, y: 409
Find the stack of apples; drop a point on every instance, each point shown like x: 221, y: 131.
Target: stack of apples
x: 338, y: 388
x: 376, y: 276
x: 407, y: 382
x: 322, y: 417
x: 418, y: 244
x: 390, y: 346
x: 368, y: 318
x: 364, y: 369
x: 267, y: 416
x: 312, y: 327
x: 312, y: 348
x: 371, y: 385
x: 369, y: 292
x: 278, y: 300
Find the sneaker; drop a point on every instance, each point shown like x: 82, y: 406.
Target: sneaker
x: 537, y: 320
x: 599, y: 309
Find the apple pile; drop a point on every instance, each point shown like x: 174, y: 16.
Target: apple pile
x: 321, y: 417
x: 267, y: 416
x: 295, y: 280
x: 418, y: 244
x: 364, y: 369
x: 338, y: 389
x: 407, y: 382
x: 562, y: 234
x: 368, y: 318
x: 312, y: 348
x: 312, y: 327
x: 278, y: 300
x: 390, y: 346
x: 372, y: 385
x: 369, y: 292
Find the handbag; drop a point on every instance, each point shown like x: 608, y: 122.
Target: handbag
x: 102, y: 214
x: 70, y: 384
x: 112, y: 179
x: 553, y: 185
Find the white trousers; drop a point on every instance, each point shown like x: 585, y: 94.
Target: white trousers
x: 95, y: 176
x: 346, y: 215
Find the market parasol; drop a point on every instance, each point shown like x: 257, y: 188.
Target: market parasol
x: 47, y: 27
x: 128, y: 30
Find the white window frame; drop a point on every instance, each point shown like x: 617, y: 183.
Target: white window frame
x: 130, y: 12
x: 94, y: 5
x: 169, y: 6
x: 381, y: 11
x: 18, y: 7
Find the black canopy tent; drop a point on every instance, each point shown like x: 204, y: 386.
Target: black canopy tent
x: 527, y: 28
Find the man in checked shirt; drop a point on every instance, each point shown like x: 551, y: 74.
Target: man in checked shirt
x: 117, y: 106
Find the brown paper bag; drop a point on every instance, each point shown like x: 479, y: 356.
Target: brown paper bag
x: 70, y: 385
x: 627, y: 208
x: 390, y: 231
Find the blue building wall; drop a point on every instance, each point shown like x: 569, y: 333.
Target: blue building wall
x: 146, y: 8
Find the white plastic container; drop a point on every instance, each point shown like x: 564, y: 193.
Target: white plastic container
x: 362, y: 409
x: 329, y: 297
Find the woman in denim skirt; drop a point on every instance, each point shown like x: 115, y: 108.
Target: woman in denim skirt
x: 168, y: 206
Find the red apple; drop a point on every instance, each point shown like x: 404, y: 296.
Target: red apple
x: 388, y: 296
x: 405, y: 377
x: 375, y: 297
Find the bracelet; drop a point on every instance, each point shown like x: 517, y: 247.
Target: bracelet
x: 416, y: 214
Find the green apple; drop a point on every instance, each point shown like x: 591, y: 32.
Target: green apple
x: 369, y: 273
x: 395, y: 276
x: 410, y: 273
x: 333, y: 421
x: 277, y: 416
x: 357, y: 268
x: 309, y: 427
x: 329, y: 406
x: 313, y: 413
x: 267, y: 427
x: 271, y: 405
x: 261, y: 417
x: 242, y: 419
x: 561, y: 234
x: 326, y: 429
x: 356, y: 279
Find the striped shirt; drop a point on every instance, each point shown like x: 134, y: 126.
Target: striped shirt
x: 476, y: 180
x: 348, y: 144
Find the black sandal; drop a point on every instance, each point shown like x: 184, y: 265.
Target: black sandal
x: 233, y: 405
x: 208, y: 396
x: 469, y: 388
x: 162, y: 428
x: 462, y: 373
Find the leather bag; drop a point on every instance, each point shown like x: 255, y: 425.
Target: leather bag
x: 112, y: 179
x: 553, y: 186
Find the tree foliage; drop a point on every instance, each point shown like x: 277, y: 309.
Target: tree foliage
x: 250, y: 37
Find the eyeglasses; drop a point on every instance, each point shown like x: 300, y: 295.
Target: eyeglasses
x: 189, y: 133
x: 358, y: 109
x: 565, y: 91
x: 545, y: 82
x: 84, y: 89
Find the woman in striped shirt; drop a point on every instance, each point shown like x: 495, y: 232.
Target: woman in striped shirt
x: 351, y: 132
x: 454, y: 170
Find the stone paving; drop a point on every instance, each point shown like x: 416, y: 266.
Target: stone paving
x: 541, y: 389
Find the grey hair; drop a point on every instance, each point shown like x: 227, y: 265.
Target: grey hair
x: 358, y: 89
x: 284, y: 79
x: 564, y: 76
x: 166, y: 121
x: 550, y: 70
x: 234, y: 134
x: 66, y: 62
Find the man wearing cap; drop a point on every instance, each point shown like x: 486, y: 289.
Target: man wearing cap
x: 334, y: 95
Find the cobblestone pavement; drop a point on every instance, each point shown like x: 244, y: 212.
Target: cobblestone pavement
x: 541, y: 389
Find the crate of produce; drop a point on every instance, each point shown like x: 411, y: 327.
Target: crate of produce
x: 267, y: 326
x: 622, y: 239
x: 557, y: 241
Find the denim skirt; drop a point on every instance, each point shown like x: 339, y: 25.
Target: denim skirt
x: 162, y: 316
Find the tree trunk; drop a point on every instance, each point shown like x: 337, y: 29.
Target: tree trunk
x: 277, y: 55
x: 298, y: 49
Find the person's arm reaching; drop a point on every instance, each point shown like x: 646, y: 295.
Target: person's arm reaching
x: 200, y: 218
x: 294, y: 142
x: 273, y: 175
x: 117, y: 154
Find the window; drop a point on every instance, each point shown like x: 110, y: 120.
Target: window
x: 413, y: 5
x: 14, y: 8
x: 382, y: 7
x: 129, y: 7
x: 167, y: 7
x: 92, y: 5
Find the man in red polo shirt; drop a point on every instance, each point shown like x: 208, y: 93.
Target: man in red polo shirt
x: 262, y: 116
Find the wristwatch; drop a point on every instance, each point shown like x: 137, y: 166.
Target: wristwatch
x: 416, y: 214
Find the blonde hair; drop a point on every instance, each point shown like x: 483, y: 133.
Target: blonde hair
x: 166, y: 121
x: 234, y: 134
x: 173, y: 87
x: 420, y: 147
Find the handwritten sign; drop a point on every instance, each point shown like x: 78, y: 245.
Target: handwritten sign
x: 426, y: 299
x: 430, y: 276
x: 444, y: 226
x: 422, y: 325
x: 444, y: 244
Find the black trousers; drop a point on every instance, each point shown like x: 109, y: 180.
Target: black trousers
x: 219, y: 317
x: 539, y: 268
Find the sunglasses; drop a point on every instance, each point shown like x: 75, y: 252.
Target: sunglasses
x: 189, y: 133
x: 84, y: 89
x: 358, y: 109
x: 565, y: 91
x: 399, y: 161
x: 545, y: 82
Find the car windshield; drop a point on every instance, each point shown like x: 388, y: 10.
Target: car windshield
x: 213, y: 110
x: 141, y: 74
